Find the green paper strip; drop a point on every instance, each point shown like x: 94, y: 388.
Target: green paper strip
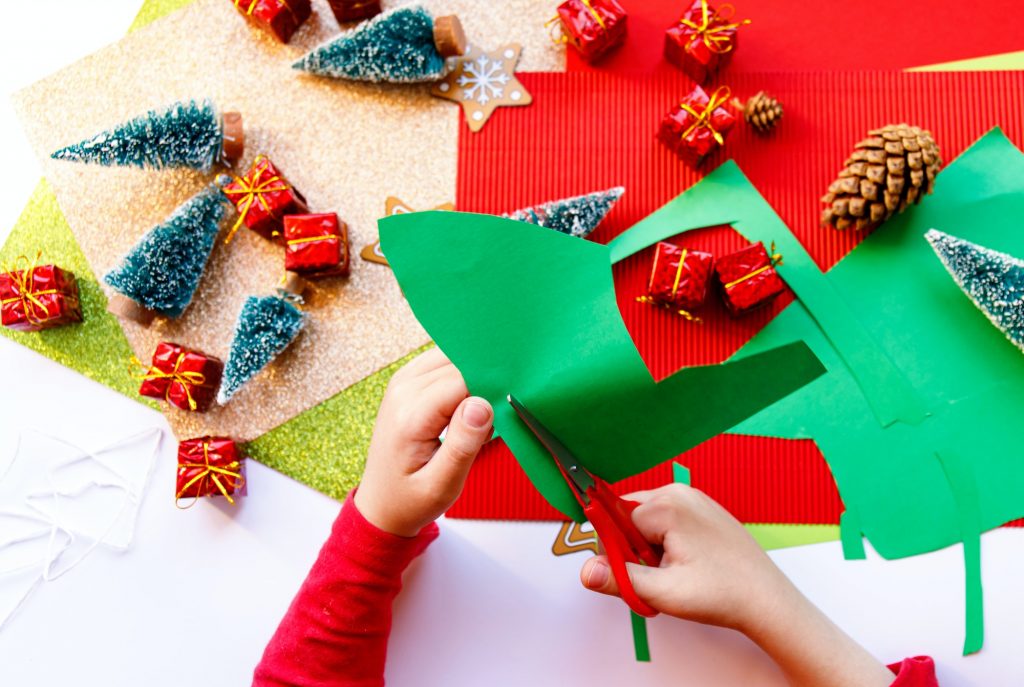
x: 965, y: 490
x: 851, y: 537
x: 726, y: 197
x: 525, y: 310
x: 680, y: 473
x: 641, y: 647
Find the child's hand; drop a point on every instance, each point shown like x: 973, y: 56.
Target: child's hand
x: 411, y: 478
x: 712, y: 570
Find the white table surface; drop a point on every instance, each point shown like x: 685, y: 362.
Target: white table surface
x: 201, y: 591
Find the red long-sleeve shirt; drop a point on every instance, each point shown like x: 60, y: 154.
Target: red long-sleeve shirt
x: 335, y: 632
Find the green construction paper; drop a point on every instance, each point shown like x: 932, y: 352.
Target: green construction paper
x: 524, y: 310
x: 851, y: 537
x: 772, y: 536
x: 641, y: 648
x: 726, y: 197
x: 680, y: 473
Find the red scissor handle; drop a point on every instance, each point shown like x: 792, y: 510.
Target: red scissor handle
x: 612, y: 519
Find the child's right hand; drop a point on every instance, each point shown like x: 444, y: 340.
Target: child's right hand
x: 712, y: 570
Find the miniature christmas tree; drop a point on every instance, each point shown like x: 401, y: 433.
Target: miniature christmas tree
x: 188, y: 134
x: 403, y: 45
x: 993, y: 281
x: 265, y: 327
x: 162, y: 271
x: 576, y: 216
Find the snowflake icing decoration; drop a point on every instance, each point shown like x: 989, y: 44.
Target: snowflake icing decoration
x: 483, y: 79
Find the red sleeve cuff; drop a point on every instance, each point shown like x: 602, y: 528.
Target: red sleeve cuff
x: 370, y: 547
x: 918, y: 671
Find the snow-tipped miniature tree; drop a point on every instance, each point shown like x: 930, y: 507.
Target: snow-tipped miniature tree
x: 993, y: 281
x: 404, y: 45
x: 576, y: 216
x: 265, y: 327
x: 161, y: 272
x: 186, y: 134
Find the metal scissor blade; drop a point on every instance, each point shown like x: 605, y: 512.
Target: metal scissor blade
x: 576, y: 473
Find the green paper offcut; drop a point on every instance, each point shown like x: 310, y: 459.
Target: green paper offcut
x: 726, y: 197
x: 522, y: 309
x: 851, y: 537
x: 641, y: 647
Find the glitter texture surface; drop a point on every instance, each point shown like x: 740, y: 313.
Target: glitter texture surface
x: 356, y: 327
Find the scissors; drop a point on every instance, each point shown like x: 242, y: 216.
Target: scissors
x: 610, y: 515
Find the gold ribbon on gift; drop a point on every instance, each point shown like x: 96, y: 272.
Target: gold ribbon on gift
x: 703, y: 118
x: 214, y: 473
x: 675, y: 287
x: 252, y: 192
x: 253, y: 3
x: 709, y: 31
x: 22, y: 282
x: 312, y: 239
x: 187, y: 378
x: 550, y: 24
x: 775, y: 259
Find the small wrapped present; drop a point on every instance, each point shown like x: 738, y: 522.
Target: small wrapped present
x: 185, y: 379
x: 209, y: 466
x: 703, y: 40
x: 679, y: 278
x: 263, y: 197
x: 316, y: 245
x: 354, y: 10
x: 592, y: 26
x: 38, y: 297
x: 698, y: 126
x: 278, y: 17
x: 748, y: 278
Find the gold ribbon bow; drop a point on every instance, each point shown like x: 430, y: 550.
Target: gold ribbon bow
x: 213, y: 473
x: 187, y: 378
x: 561, y: 37
x: 675, y: 286
x: 252, y: 192
x: 703, y: 118
x: 312, y: 239
x: 22, y: 282
x: 253, y: 3
x: 775, y: 259
x: 710, y: 31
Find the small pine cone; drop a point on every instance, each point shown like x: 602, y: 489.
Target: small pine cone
x: 762, y: 112
x: 890, y: 170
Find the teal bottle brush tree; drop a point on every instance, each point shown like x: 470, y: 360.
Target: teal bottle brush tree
x: 186, y: 134
x: 576, y: 216
x: 993, y: 281
x: 266, y: 325
x: 160, y: 273
x: 404, y: 45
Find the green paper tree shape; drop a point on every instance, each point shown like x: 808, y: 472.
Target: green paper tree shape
x: 898, y: 338
x: 266, y: 325
x: 185, y: 134
x: 396, y: 46
x: 532, y: 312
x: 993, y: 281
x: 576, y: 216
x: 162, y: 271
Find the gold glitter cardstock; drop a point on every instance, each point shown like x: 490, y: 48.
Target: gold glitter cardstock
x: 345, y: 145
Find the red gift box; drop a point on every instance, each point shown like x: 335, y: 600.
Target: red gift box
x: 748, y: 278
x: 702, y: 41
x: 38, y: 298
x: 354, y: 10
x: 316, y: 245
x: 698, y: 126
x: 679, y: 278
x: 209, y: 466
x: 263, y: 197
x: 186, y: 379
x: 593, y: 26
x: 280, y: 17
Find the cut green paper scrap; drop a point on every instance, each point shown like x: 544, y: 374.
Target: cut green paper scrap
x: 726, y: 197
x: 904, y: 497
x: 525, y: 310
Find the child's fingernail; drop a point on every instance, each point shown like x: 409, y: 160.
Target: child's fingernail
x: 598, y: 576
x: 477, y: 414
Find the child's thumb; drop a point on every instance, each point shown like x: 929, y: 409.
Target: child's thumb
x: 468, y: 431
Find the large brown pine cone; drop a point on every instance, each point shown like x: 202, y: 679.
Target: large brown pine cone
x: 888, y: 171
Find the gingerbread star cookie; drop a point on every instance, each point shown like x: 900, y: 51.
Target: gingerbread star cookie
x: 392, y: 206
x: 482, y: 82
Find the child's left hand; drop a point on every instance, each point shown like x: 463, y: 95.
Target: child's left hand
x: 411, y: 478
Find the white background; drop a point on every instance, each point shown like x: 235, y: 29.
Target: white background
x: 202, y: 590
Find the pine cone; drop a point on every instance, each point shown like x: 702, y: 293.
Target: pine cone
x: 888, y: 171
x: 762, y: 112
